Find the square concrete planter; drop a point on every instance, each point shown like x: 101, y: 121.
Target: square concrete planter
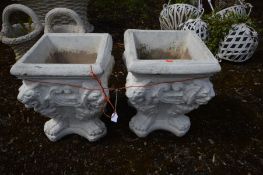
x: 168, y: 76
x: 57, y: 82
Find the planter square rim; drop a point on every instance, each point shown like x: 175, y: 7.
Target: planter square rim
x: 39, y: 69
x: 207, y: 64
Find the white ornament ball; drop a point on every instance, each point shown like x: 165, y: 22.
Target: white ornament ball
x: 198, y: 26
x: 239, y: 45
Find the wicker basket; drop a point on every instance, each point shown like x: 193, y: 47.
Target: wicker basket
x: 239, y: 45
x: 241, y: 10
x: 172, y: 16
x: 42, y: 7
x: 51, y: 27
x: 13, y: 35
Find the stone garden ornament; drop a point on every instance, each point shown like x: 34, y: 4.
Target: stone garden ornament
x: 20, y: 37
x: 58, y: 83
x: 42, y: 7
x: 51, y: 27
x: 168, y: 76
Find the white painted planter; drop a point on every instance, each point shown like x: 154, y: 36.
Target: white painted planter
x: 171, y: 88
x: 63, y: 88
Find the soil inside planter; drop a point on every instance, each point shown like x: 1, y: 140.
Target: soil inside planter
x: 66, y: 57
x: 180, y: 53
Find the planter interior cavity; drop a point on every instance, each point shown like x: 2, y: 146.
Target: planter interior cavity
x: 175, y: 46
x: 168, y: 76
x: 58, y: 82
x: 65, y: 57
x: 150, y: 50
x: 173, y: 52
x: 57, y: 54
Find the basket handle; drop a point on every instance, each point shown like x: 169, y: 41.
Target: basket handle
x: 18, y: 7
x: 247, y: 5
x: 50, y: 16
x: 250, y: 6
x: 201, y: 11
x: 165, y: 5
x: 211, y: 5
x: 199, y: 6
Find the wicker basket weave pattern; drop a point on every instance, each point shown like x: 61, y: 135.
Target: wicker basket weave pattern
x: 173, y: 15
x: 198, y: 26
x: 239, y: 45
x: 241, y: 10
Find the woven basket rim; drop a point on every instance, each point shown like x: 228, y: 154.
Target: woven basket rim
x: 231, y: 7
x: 10, y: 41
x: 181, y: 4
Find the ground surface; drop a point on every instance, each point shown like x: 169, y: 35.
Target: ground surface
x: 226, y: 136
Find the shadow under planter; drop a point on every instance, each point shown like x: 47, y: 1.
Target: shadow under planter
x: 168, y: 76
x: 57, y: 82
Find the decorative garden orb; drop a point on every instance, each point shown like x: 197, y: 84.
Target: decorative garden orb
x: 173, y: 15
x: 198, y: 26
x: 239, y: 45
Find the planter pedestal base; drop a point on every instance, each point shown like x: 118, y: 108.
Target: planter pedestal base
x: 91, y: 129
x: 142, y: 125
x: 163, y: 107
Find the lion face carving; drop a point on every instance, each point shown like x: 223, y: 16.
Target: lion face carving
x: 179, y: 97
x: 28, y: 96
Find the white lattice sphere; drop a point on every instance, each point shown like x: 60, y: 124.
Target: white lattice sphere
x: 239, y: 45
x: 175, y: 14
x: 198, y: 26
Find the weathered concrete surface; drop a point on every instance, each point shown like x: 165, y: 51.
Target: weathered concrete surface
x: 164, y: 106
x: 62, y: 91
